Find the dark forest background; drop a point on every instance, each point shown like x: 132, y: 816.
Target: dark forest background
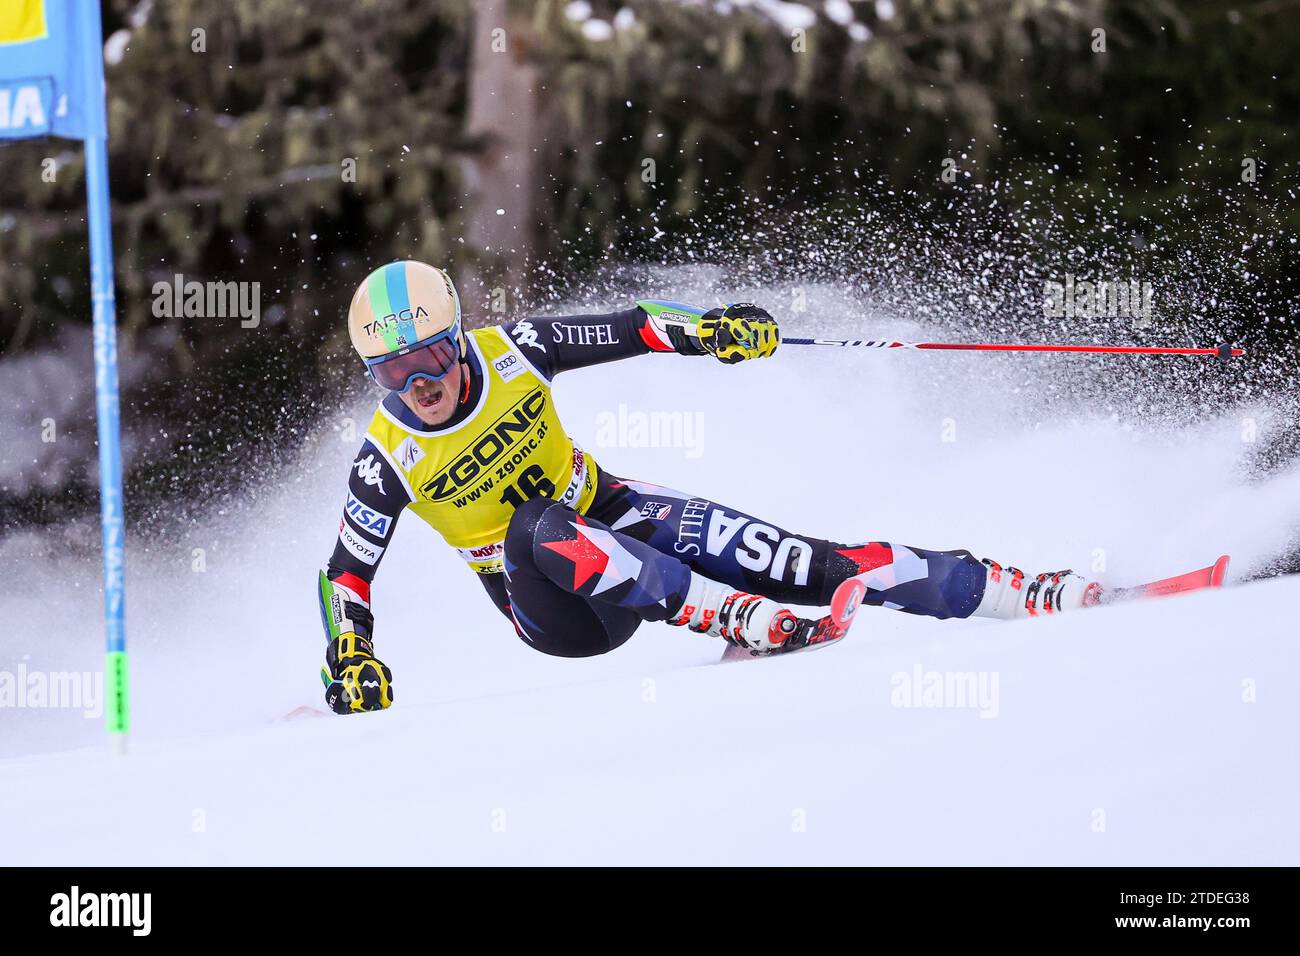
x: 510, y: 142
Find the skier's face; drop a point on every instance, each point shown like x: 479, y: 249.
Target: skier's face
x: 433, y: 402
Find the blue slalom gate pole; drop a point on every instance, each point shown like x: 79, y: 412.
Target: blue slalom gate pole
x: 52, y: 84
x: 104, y: 301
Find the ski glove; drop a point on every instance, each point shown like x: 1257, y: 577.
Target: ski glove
x: 738, y: 332
x: 355, y: 680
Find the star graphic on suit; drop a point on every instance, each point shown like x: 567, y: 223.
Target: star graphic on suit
x: 622, y: 564
x: 868, y: 557
x: 596, y: 551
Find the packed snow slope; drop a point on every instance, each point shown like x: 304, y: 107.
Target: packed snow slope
x: 1154, y: 733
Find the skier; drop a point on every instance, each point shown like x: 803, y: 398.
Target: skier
x: 468, y: 439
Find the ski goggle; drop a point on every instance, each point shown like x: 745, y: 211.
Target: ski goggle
x: 430, y: 358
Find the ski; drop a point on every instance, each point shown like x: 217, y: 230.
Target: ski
x: 822, y: 632
x: 848, y: 598
x: 1210, y: 577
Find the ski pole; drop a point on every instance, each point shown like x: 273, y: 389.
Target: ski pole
x: 1222, y: 351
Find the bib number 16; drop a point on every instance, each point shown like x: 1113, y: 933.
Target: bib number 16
x: 531, y: 483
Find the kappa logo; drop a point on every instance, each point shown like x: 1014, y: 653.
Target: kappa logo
x: 409, y: 454
x: 525, y: 334
x: 371, y: 472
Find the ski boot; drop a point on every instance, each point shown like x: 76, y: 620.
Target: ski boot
x: 1010, y: 594
x: 760, y: 625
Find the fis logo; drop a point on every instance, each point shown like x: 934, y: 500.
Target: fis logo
x: 513, y: 428
x: 368, y: 518
x: 656, y: 510
x: 409, y: 454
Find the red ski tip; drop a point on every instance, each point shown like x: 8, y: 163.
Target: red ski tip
x: 1211, y: 577
x: 1219, y: 571
x: 846, y: 601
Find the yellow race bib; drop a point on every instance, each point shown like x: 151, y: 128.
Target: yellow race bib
x: 466, y: 481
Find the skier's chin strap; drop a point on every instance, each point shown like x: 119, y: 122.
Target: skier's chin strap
x: 465, y: 373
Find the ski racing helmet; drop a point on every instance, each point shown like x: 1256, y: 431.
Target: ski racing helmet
x: 405, y: 324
